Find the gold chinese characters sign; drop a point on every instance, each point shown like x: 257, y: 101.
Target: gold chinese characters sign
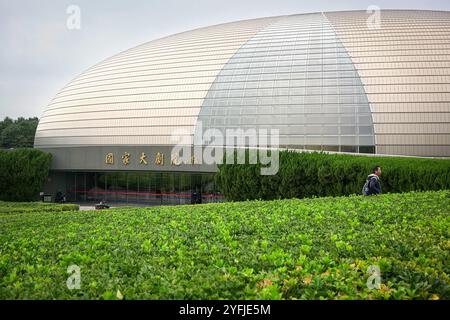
x: 126, y: 158
x: 109, y: 159
x: 158, y: 159
x: 143, y: 159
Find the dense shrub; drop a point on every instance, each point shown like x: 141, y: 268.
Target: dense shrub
x: 18, y: 133
x: 15, y: 207
x: 23, y: 173
x: 318, y: 174
x: 283, y: 249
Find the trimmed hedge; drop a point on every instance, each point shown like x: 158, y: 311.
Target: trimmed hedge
x: 37, y: 207
x: 305, y: 174
x: 23, y: 173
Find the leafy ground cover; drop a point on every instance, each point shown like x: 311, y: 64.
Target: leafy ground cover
x: 318, y: 248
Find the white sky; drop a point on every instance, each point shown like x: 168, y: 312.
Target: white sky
x: 39, y: 54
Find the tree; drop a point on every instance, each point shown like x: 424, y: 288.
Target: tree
x: 18, y: 133
x: 23, y: 173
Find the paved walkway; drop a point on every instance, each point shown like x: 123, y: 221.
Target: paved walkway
x: 90, y: 206
x: 85, y: 208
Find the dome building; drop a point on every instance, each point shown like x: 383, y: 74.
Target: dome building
x: 333, y: 81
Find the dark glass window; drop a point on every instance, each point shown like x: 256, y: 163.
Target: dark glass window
x: 367, y: 149
x: 149, y: 188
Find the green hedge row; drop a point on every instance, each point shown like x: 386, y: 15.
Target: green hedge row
x: 319, y: 174
x: 22, y: 207
x: 23, y: 173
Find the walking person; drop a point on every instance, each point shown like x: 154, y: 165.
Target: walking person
x: 373, y: 185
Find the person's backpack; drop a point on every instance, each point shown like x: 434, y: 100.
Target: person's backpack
x: 365, y: 189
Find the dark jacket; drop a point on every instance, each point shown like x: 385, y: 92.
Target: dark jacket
x: 374, y: 184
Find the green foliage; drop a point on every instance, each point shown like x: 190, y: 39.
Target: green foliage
x: 303, y: 175
x: 284, y: 249
x: 23, y: 173
x: 15, y: 207
x: 17, y: 133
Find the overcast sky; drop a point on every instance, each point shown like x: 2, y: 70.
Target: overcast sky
x: 39, y: 54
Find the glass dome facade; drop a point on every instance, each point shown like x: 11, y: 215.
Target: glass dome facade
x: 297, y: 77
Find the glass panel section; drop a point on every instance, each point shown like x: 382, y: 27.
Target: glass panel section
x: 318, y: 78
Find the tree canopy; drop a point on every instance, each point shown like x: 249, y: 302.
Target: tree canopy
x: 17, y: 133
